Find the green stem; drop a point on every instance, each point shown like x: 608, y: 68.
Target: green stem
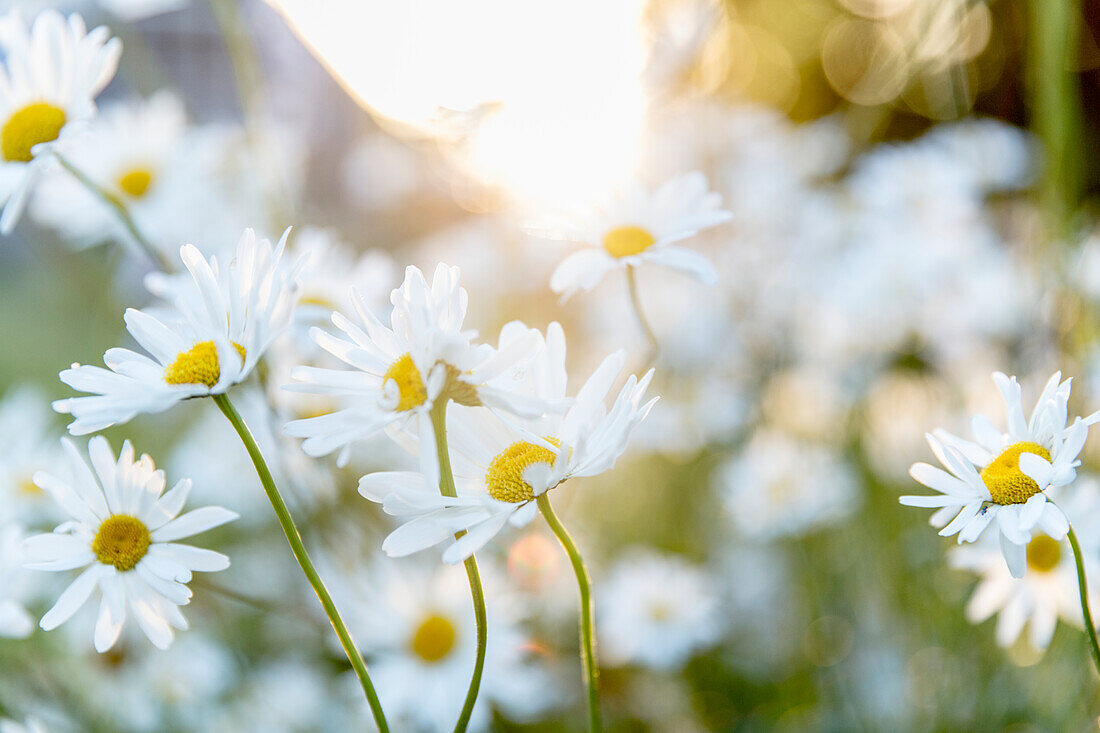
x: 1082, y: 586
x: 300, y: 554
x: 654, y: 345
x: 1056, y: 107
x: 447, y: 488
x: 120, y: 210
x: 588, y: 636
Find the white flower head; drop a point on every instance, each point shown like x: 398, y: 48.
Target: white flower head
x: 123, y: 531
x: 222, y: 322
x: 15, y: 622
x: 502, y: 467
x: 656, y: 611
x: 638, y: 227
x: 51, y: 74
x: 400, y: 371
x: 1004, y: 476
x: 1048, y: 592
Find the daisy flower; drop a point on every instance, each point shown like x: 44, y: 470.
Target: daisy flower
x: 27, y: 444
x: 501, y: 468
x: 1047, y: 593
x: 1004, y: 475
x: 638, y: 227
x: 49, y: 79
x: 400, y: 371
x: 657, y: 611
x: 123, y: 531
x: 419, y: 626
x: 221, y: 324
x: 138, y: 152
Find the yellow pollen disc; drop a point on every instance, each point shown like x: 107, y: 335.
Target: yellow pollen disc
x: 27, y: 487
x: 1043, y: 553
x: 410, y: 386
x: 135, y: 182
x: 505, y: 477
x: 121, y: 541
x: 625, y: 241
x: 198, y: 365
x: 433, y: 639
x: 1007, y: 484
x: 36, y: 123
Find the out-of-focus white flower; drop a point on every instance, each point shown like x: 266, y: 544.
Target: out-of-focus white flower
x: 51, y: 74
x: 140, y: 152
x: 398, y: 372
x: 222, y: 322
x: 639, y: 227
x: 1048, y: 591
x: 15, y: 622
x: 30, y: 725
x: 1005, y: 475
x: 501, y: 468
x: 26, y: 446
x: 418, y: 623
x: 780, y: 486
x: 656, y: 611
x: 123, y: 531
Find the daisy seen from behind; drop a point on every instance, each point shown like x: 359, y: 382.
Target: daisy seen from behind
x: 221, y: 322
x: 1004, y: 476
x: 122, y: 532
x: 638, y: 227
x: 51, y: 74
x: 399, y: 372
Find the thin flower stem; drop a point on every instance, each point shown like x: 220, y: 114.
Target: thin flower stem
x: 121, y: 211
x: 1082, y: 585
x: 654, y: 344
x: 447, y: 488
x: 300, y: 554
x: 588, y: 636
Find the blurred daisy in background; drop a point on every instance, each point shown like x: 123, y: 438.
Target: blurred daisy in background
x: 501, y: 468
x: 222, y: 322
x: 639, y: 227
x: 418, y: 625
x: 27, y: 445
x: 1004, y: 475
x: 138, y: 151
x: 781, y: 486
x: 122, y: 531
x: 1048, y: 592
x: 656, y: 611
x: 15, y: 621
x: 51, y: 74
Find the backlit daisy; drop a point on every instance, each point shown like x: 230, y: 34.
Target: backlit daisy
x: 638, y: 227
x: 50, y: 77
x: 501, y: 468
x: 398, y: 372
x: 222, y: 322
x: 1004, y: 475
x: 123, y: 531
x: 27, y: 444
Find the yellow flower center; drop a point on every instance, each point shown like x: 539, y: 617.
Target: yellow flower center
x: 505, y: 477
x: 410, y: 386
x: 121, y: 541
x: 625, y: 241
x: 198, y: 365
x: 1043, y: 553
x: 1007, y: 484
x: 434, y: 638
x: 28, y: 487
x: 36, y: 123
x: 135, y: 182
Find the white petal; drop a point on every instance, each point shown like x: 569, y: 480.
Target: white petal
x: 194, y: 522
x: 72, y: 598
